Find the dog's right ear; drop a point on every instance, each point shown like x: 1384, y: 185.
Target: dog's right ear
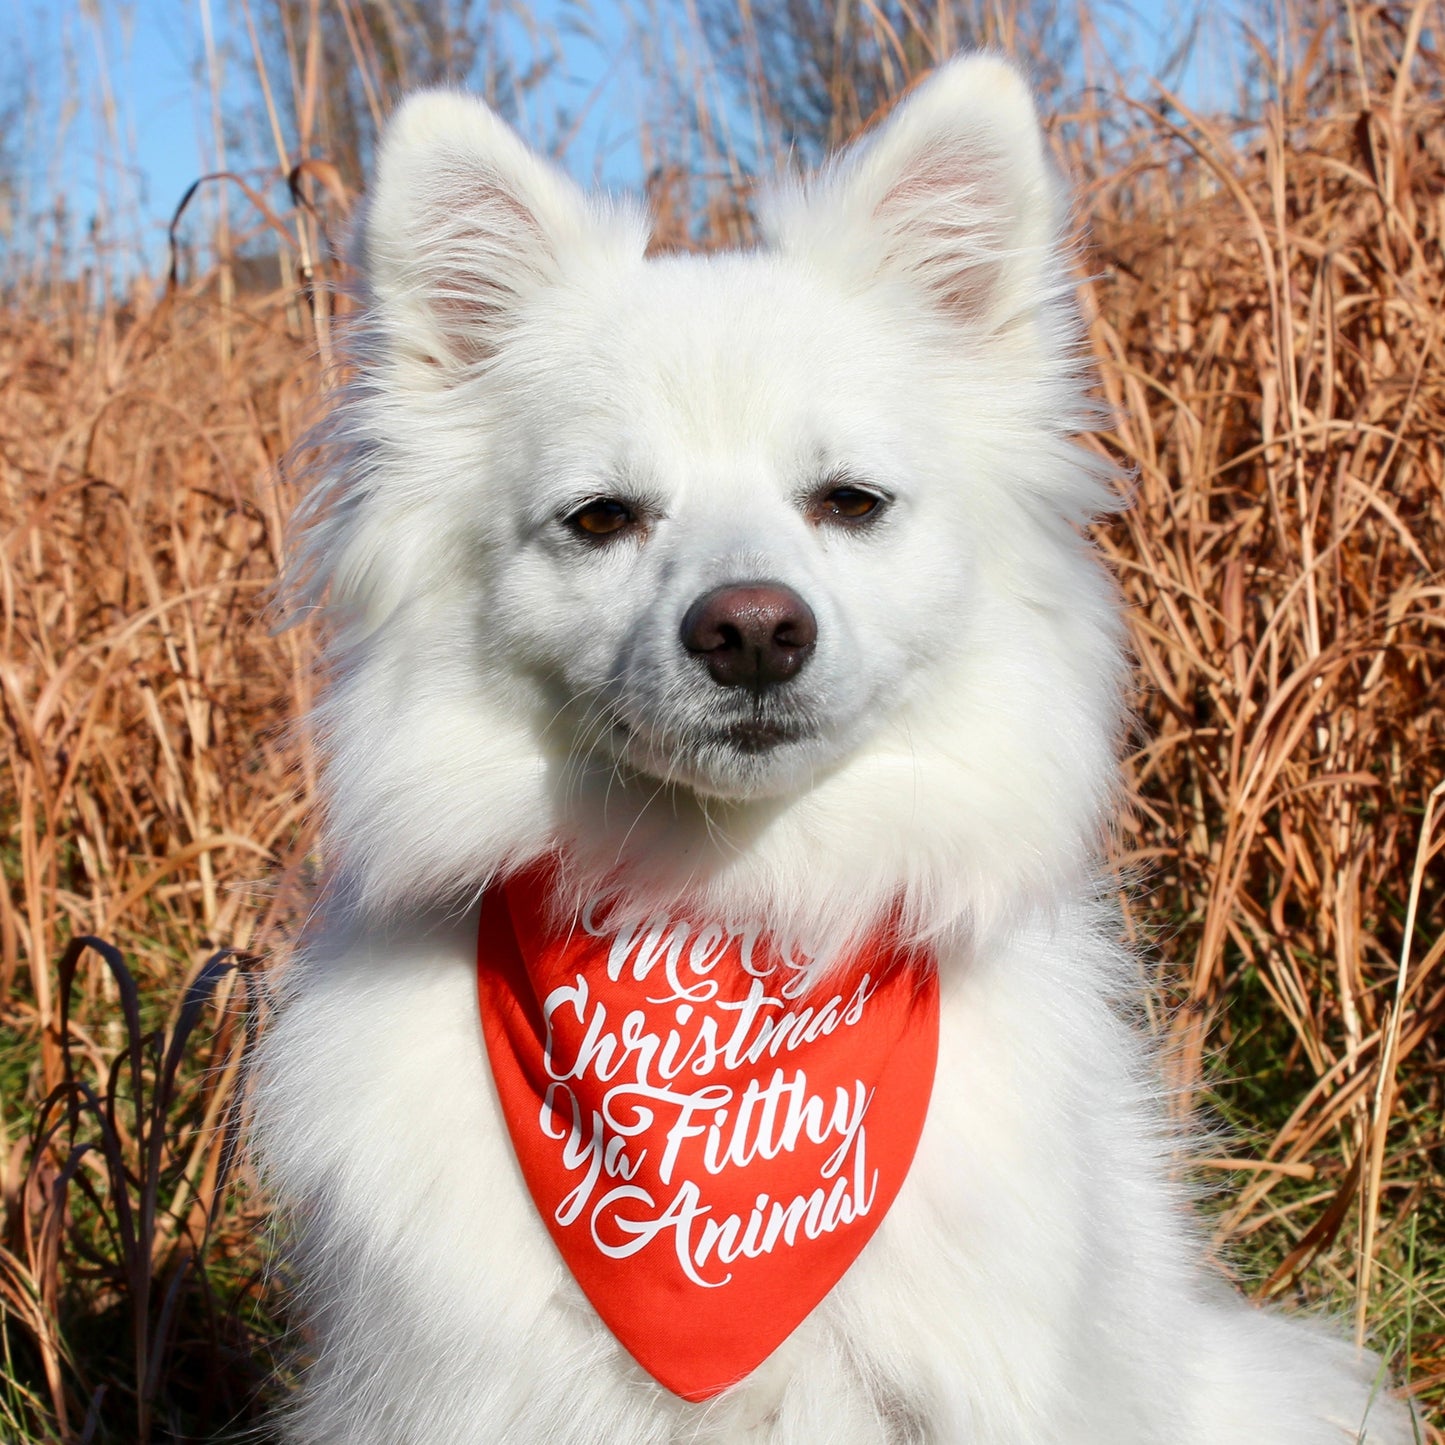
x: 950, y: 198
x: 463, y: 224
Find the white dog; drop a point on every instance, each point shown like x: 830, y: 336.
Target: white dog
x: 720, y: 676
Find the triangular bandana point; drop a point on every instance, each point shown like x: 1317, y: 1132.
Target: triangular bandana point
x: 709, y: 1143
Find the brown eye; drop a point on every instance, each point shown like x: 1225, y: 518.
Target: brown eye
x: 844, y: 504
x: 602, y: 517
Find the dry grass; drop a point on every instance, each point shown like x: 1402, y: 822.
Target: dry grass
x: 150, y: 786
x: 1270, y: 315
x: 1266, y: 303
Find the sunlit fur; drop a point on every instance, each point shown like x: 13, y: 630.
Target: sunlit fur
x: 502, y: 688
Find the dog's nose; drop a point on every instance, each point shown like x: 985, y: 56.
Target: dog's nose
x: 750, y: 634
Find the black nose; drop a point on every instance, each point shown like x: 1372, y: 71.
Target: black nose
x: 750, y: 634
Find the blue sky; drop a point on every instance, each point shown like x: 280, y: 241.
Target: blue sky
x: 119, y: 115
x: 115, y: 116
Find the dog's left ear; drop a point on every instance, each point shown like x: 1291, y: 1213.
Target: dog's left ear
x: 464, y: 224
x: 951, y: 196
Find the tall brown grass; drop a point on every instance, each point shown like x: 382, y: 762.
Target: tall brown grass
x: 1264, y: 298
x: 1270, y: 318
x: 152, y: 797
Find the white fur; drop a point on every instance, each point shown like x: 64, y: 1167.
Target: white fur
x: 502, y: 690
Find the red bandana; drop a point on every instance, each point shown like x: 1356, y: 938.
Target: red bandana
x: 709, y: 1140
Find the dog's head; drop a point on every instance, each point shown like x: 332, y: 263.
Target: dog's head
x: 776, y: 525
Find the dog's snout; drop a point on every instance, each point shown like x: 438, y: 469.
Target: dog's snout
x: 750, y: 634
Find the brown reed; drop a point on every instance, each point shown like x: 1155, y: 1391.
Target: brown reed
x: 1268, y: 309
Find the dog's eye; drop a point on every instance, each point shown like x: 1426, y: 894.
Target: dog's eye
x: 844, y: 503
x: 601, y: 517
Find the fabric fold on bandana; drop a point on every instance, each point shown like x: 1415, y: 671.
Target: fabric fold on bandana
x: 710, y: 1128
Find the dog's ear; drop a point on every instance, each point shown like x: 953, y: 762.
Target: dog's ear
x: 463, y: 223
x: 951, y: 195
